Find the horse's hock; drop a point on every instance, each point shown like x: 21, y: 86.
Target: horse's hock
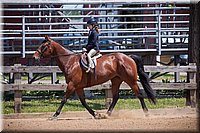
x: 17, y: 70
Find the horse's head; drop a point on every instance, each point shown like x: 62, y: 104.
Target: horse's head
x: 44, y: 50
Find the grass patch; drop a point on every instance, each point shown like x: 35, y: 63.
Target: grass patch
x: 96, y: 104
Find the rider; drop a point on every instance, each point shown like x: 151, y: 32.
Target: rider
x: 92, y: 46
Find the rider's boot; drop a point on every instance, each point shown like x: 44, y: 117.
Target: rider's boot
x: 88, y: 70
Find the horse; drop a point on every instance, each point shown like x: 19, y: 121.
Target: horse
x: 116, y: 67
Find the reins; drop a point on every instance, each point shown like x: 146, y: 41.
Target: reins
x: 64, y: 55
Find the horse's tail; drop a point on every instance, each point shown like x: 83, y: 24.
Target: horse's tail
x: 144, y: 78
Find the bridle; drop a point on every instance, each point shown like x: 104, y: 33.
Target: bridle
x: 44, y: 49
x: 47, y: 46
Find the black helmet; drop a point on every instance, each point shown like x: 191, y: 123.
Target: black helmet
x: 92, y: 21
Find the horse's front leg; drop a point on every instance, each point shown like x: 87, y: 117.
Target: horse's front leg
x: 69, y: 92
x: 81, y: 95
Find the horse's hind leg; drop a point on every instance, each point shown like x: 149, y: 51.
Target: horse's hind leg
x: 116, y: 82
x: 135, y: 88
x: 138, y: 93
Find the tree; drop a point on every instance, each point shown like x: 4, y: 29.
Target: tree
x: 194, y: 42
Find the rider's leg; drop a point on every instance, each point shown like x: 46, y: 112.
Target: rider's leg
x: 91, y: 53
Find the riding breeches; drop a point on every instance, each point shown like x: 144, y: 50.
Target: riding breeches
x: 91, y: 53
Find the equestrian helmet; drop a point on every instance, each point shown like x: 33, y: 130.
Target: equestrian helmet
x: 92, y: 21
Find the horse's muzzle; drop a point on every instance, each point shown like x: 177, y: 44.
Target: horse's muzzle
x: 36, y: 56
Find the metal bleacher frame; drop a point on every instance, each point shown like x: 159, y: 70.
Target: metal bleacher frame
x: 115, y: 39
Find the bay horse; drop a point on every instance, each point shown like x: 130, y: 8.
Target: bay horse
x: 116, y: 67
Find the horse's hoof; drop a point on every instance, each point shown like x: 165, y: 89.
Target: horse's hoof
x: 101, y: 116
x: 53, y: 118
x: 146, y: 114
x: 109, y: 113
x: 97, y: 116
x: 105, y: 116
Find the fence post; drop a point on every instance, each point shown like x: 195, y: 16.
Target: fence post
x: 30, y: 76
x: 53, y: 79
x: 11, y: 78
x: 23, y: 38
x: 17, y: 93
x: 177, y: 63
x: 159, y: 34
x: 192, y: 93
x: 159, y: 39
x: 108, y: 97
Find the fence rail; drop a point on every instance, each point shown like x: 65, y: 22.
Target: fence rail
x: 46, y: 69
x: 18, y: 86
x: 136, y: 2
x: 94, y: 9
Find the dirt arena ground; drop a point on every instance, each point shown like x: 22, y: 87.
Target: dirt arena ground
x: 168, y: 120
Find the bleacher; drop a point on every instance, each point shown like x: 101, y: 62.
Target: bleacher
x: 125, y: 26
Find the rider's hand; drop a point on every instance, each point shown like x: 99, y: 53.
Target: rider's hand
x: 84, y: 50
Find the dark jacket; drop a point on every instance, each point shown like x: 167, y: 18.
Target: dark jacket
x: 93, y: 40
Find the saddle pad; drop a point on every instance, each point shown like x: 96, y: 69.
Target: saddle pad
x: 84, y: 62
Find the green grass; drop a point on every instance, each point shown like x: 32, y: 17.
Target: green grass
x: 96, y: 104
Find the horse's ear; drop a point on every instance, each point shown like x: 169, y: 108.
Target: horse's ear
x: 47, y: 38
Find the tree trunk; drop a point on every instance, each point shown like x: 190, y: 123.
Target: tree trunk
x: 194, y: 42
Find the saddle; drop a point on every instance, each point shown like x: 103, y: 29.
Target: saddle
x: 84, y: 60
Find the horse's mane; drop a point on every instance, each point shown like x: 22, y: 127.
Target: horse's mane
x: 44, y: 41
x: 69, y: 50
x: 55, y: 42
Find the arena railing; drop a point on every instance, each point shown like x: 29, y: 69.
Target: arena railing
x: 17, y: 71
x: 156, y: 29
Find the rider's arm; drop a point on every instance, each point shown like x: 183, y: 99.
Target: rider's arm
x: 93, y: 41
